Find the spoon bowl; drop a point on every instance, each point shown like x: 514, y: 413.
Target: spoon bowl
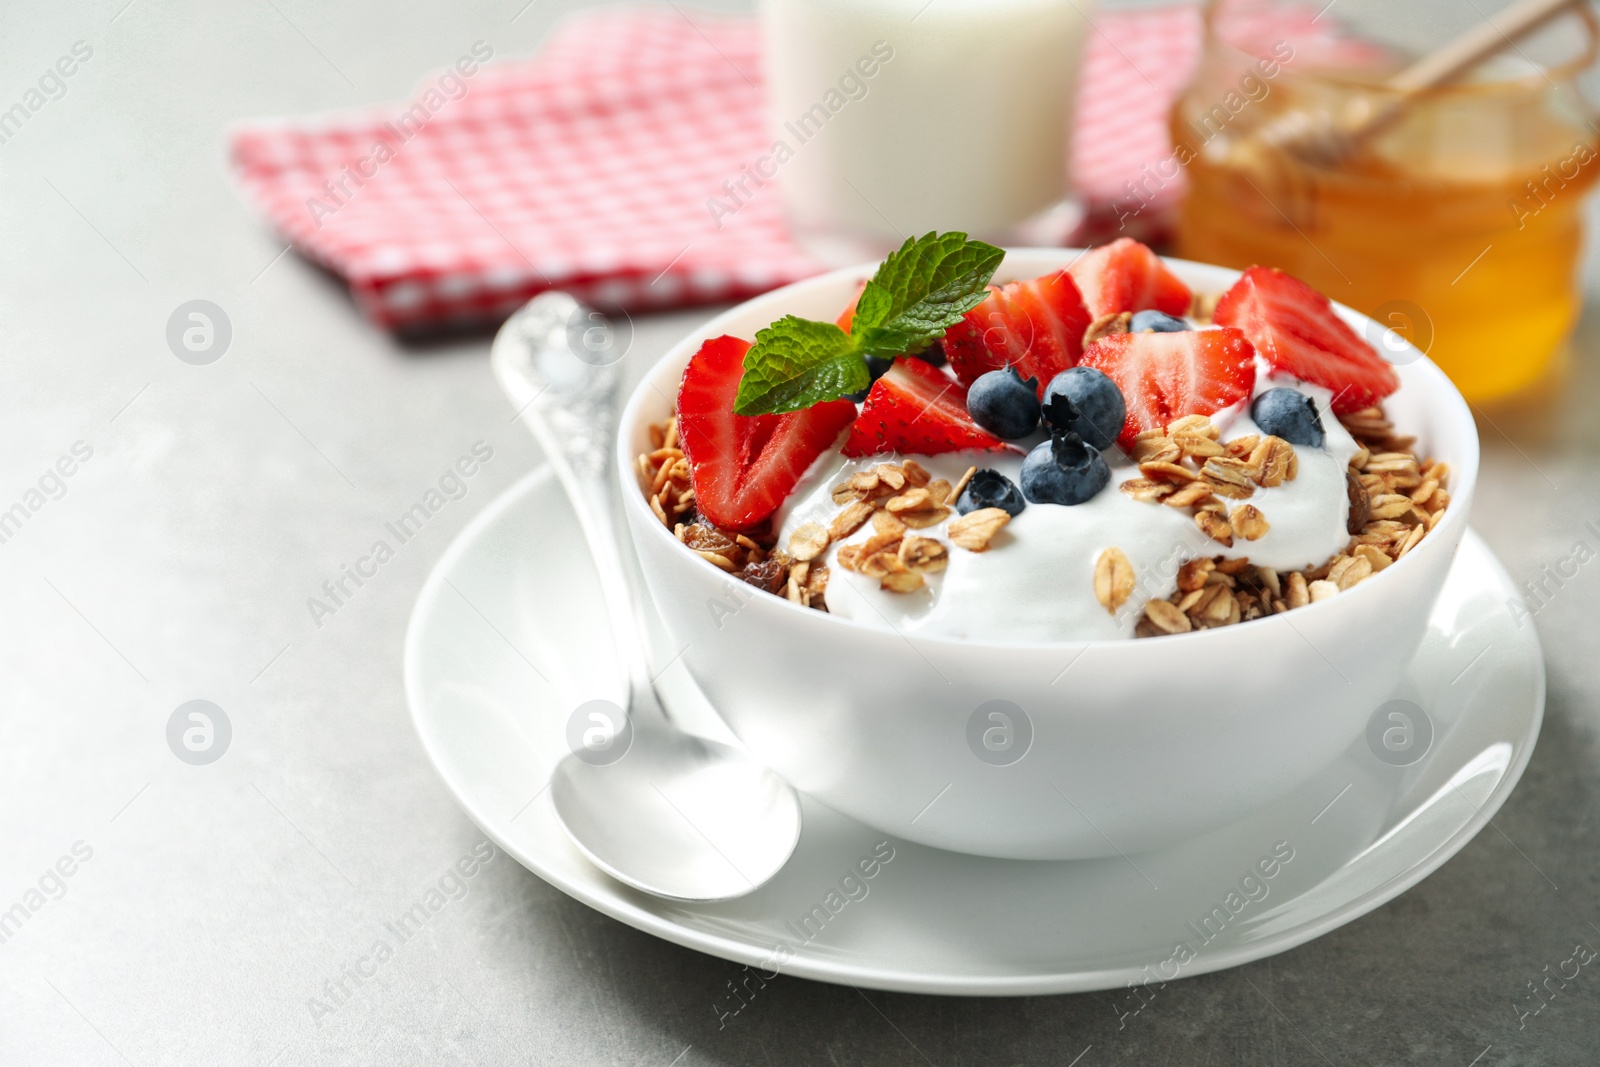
x: 628, y: 817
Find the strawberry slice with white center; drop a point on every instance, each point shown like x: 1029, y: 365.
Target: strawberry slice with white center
x: 1126, y: 276
x: 1036, y: 326
x: 919, y: 410
x: 743, y: 467
x: 1165, y: 376
x: 1295, y: 329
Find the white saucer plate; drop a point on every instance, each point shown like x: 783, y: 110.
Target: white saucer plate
x: 506, y: 641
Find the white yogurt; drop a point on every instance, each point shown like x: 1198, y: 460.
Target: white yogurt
x: 1036, y: 581
x: 898, y: 117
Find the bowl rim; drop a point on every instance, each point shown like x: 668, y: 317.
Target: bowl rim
x: 1451, y: 405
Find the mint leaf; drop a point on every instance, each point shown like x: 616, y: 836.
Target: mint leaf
x: 921, y: 291
x: 918, y: 293
x: 796, y: 363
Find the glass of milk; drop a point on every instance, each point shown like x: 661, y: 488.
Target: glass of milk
x: 891, y: 118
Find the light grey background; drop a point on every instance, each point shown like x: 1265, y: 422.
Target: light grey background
x: 218, y: 498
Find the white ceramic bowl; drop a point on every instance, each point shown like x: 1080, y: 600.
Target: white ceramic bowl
x: 1135, y: 744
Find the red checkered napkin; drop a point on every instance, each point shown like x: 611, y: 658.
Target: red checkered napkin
x: 589, y: 168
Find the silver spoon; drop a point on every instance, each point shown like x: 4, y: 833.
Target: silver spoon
x: 656, y: 808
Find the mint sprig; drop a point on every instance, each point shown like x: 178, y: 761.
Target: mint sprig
x: 796, y: 363
x: 918, y: 293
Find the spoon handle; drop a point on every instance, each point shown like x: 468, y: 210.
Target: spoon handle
x: 567, y: 397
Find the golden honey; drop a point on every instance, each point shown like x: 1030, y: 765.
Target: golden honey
x: 1458, y: 224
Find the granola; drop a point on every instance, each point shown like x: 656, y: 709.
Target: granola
x: 898, y: 558
x: 1396, y: 497
x: 752, y: 557
x: 974, y: 530
x: 1113, y: 579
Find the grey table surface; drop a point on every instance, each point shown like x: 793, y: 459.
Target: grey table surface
x: 208, y: 904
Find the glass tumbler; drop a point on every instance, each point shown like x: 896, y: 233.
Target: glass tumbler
x: 891, y: 118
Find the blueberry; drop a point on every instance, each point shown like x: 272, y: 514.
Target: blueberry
x: 879, y: 367
x: 1085, y: 402
x: 933, y: 354
x: 991, y: 489
x: 1064, y: 470
x: 1289, y: 414
x: 1159, y: 321
x: 1005, y: 405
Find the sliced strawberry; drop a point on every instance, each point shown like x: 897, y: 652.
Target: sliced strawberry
x: 1294, y: 327
x: 918, y: 409
x: 1126, y: 276
x: 1165, y: 376
x: 743, y: 466
x: 1036, y: 326
x: 848, y: 315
